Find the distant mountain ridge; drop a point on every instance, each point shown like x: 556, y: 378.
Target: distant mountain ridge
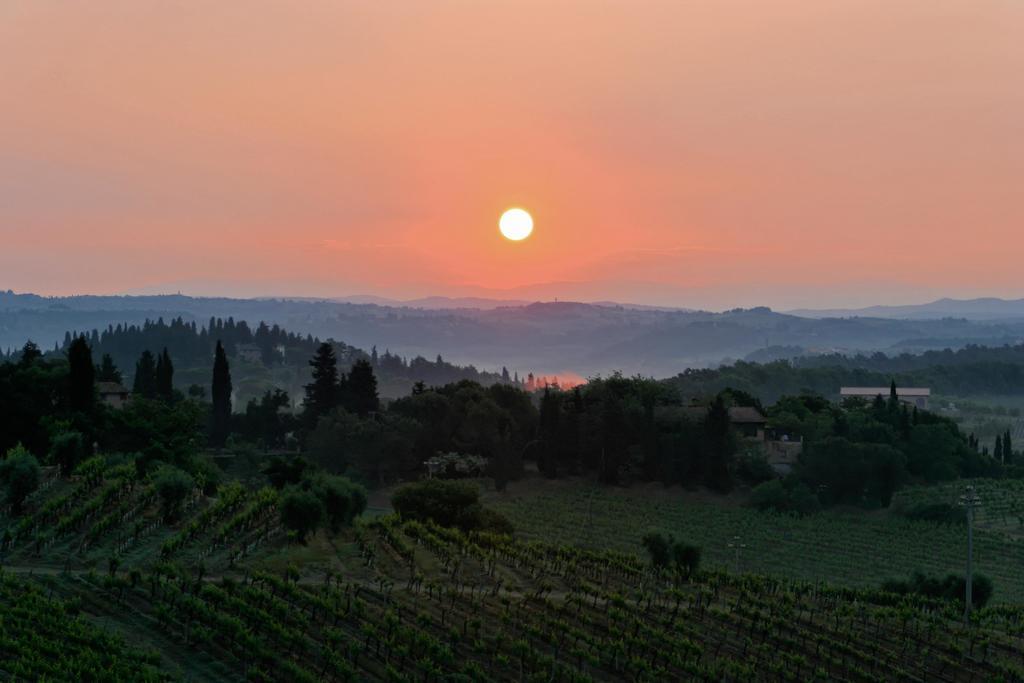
x: 980, y: 309
x: 551, y: 338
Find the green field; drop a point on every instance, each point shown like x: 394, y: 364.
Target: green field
x: 852, y: 548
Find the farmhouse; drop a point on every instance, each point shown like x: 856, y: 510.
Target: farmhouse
x: 747, y: 421
x: 912, y: 396
x: 112, y: 393
x: 248, y: 352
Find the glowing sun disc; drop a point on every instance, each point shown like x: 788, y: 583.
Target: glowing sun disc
x: 516, y: 224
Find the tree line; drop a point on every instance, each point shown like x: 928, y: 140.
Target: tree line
x: 613, y: 429
x: 975, y: 371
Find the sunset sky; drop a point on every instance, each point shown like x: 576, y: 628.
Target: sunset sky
x: 690, y: 153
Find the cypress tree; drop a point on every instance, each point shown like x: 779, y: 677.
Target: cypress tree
x: 549, y: 430
x: 361, y: 389
x: 82, y: 376
x: 108, y: 372
x: 720, y: 446
x: 894, y: 399
x: 30, y: 353
x: 1007, y: 446
x: 165, y: 376
x: 322, y: 393
x: 998, y: 452
x: 145, y: 376
x: 220, y: 392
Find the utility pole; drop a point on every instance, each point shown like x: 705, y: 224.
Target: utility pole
x: 969, y: 501
x: 736, y: 545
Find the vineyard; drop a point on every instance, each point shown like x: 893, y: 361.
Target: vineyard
x: 440, y: 605
x: 849, y: 549
x: 1002, y: 500
x: 106, y: 514
x: 215, y: 596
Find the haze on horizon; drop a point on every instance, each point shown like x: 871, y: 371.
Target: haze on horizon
x: 794, y: 153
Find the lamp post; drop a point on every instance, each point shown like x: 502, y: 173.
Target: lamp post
x: 969, y: 501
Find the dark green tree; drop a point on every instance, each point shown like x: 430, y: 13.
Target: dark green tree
x: 550, y: 432
x: 1007, y: 447
x: 165, y: 376
x: 265, y: 420
x: 81, y: 376
x: 361, y: 389
x: 145, y: 376
x: 30, y: 353
x: 322, y: 393
x: 19, y: 473
x: 302, y: 511
x: 997, y: 453
x: 283, y: 471
x: 343, y: 500
x: 220, y: 392
x: 894, y: 399
x: 173, y: 486
x: 108, y: 372
x: 67, y: 449
x: 720, y: 444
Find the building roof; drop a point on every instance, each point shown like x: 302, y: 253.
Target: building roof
x: 884, y: 391
x: 111, y: 388
x: 746, y: 415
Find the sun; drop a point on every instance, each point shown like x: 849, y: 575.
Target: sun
x: 516, y: 224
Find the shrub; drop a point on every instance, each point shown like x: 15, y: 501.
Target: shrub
x: 67, y: 449
x: 302, y: 511
x: 448, y: 503
x: 788, y: 496
x: 172, y: 485
x: 952, y: 587
x: 496, y: 523
x: 343, y: 500
x: 659, y: 548
x: 668, y: 553
x: 19, y: 472
x: 282, y: 471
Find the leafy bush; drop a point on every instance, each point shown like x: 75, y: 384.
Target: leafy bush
x: 19, y: 472
x: 448, y: 503
x: 784, y: 496
x: 302, y: 511
x: 282, y: 471
x: 343, y: 500
x: 172, y: 485
x: 668, y: 553
x: 495, y: 522
x: 67, y: 449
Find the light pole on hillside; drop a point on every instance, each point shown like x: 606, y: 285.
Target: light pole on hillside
x: 969, y: 501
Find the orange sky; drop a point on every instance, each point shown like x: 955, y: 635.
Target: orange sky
x: 691, y: 153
